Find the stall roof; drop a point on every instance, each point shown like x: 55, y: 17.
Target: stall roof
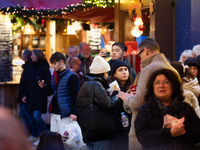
x: 95, y: 15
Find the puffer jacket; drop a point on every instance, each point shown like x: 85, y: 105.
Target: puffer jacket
x: 151, y: 134
x: 100, y: 98
x: 62, y: 92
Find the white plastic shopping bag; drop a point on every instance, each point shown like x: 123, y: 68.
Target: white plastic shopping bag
x: 73, y: 135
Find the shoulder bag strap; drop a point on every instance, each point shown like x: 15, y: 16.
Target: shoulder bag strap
x: 91, y: 100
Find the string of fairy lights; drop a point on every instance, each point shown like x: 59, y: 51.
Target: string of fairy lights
x: 101, y: 3
x: 23, y: 14
x: 33, y: 16
x: 23, y: 11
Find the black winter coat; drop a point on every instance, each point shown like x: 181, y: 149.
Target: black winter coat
x: 24, y: 80
x: 100, y: 98
x: 37, y: 97
x: 149, y: 131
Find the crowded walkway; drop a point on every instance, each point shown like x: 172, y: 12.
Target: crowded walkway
x: 91, y: 103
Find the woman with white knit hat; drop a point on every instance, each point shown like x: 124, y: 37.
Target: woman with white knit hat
x: 96, y: 109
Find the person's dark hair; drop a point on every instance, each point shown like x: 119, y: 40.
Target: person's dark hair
x: 173, y: 79
x: 39, y: 53
x: 150, y: 44
x: 124, y: 87
x: 193, y: 62
x: 27, y: 53
x: 57, y: 57
x: 183, y: 72
x: 121, y: 45
x: 50, y: 141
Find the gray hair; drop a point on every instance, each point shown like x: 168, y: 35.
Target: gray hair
x: 185, y: 53
x: 81, y: 45
x: 196, y: 50
x: 72, y: 47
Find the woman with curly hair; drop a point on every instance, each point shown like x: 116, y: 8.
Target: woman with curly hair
x: 164, y: 97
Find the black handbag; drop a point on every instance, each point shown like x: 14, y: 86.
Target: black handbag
x: 91, y: 117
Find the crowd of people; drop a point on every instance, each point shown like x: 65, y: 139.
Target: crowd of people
x: 163, y: 112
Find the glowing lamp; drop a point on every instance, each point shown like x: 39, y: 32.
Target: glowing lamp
x: 28, y: 29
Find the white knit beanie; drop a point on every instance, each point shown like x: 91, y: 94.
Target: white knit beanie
x: 99, y: 65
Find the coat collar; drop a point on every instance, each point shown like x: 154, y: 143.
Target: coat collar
x: 156, y: 57
x: 94, y: 77
x: 154, y: 107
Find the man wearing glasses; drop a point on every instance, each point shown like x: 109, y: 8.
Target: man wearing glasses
x: 151, y: 61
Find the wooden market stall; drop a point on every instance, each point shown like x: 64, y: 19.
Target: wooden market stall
x: 47, y: 19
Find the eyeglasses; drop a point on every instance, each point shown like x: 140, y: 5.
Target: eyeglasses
x: 164, y: 83
x: 138, y: 55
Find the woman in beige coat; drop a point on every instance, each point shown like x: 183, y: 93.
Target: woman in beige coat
x: 191, y: 88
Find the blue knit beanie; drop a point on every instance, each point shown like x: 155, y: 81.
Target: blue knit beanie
x: 116, y: 64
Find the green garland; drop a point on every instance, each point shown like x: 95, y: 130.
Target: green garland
x: 43, y: 13
x: 101, y: 3
x: 23, y: 14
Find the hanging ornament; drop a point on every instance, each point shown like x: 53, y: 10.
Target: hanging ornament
x: 134, y: 17
x: 141, y: 27
x: 138, y: 23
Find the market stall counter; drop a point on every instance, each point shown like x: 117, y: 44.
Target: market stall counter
x: 8, y: 94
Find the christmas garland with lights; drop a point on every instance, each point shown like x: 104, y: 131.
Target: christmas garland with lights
x: 101, y: 3
x: 23, y: 15
x: 43, y: 13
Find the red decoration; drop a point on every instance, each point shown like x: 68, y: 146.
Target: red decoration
x: 43, y: 22
x: 141, y: 27
x: 134, y: 17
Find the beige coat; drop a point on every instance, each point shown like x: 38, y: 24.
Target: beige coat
x: 191, y: 91
x: 192, y: 100
x: 133, y: 103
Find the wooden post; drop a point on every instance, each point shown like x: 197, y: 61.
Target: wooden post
x: 118, y: 32
x: 48, y: 40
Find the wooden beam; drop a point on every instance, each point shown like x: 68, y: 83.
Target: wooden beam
x: 48, y: 40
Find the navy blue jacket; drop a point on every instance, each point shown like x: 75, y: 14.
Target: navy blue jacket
x: 62, y: 92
